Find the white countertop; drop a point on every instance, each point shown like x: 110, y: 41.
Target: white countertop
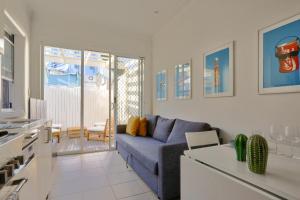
x: 21, y: 129
x: 282, y: 175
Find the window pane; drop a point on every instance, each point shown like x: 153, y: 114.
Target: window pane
x: 8, y: 61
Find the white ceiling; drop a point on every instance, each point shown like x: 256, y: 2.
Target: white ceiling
x: 133, y: 16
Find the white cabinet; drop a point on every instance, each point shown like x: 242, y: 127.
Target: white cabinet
x: 34, y: 144
x: 44, y: 164
x: 213, y: 173
x: 29, y: 191
x: 200, y: 182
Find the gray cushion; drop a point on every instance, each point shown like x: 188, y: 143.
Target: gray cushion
x: 163, y: 129
x: 144, y: 149
x: 181, y: 127
x: 151, y: 123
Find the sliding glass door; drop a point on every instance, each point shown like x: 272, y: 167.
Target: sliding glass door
x: 62, y: 91
x: 88, y: 93
x: 96, y: 100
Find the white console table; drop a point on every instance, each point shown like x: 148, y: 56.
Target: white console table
x: 213, y: 173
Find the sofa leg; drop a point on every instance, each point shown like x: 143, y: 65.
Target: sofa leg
x: 127, y: 161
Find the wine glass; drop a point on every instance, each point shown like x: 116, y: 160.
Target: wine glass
x: 293, y: 136
x: 297, y: 142
x: 277, y: 135
x: 297, y: 138
x: 290, y: 137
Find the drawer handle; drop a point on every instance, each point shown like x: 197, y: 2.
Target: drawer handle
x: 20, y: 183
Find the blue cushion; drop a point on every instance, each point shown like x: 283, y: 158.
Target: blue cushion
x: 151, y: 123
x: 163, y: 129
x: 144, y: 149
x: 181, y: 127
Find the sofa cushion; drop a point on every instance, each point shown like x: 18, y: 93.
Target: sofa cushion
x: 181, y: 127
x: 151, y: 123
x: 143, y: 127
x: 163, y: 129
x: 133, y: 126
x: 144, y: 149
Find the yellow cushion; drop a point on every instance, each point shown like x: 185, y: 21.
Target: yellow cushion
x: 132, y: 127
x: 143, y: 127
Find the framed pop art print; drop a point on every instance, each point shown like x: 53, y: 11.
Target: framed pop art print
x: 161, y: 85
x: 218, y: 72
x: 279, y: 57
x: 183, y: 84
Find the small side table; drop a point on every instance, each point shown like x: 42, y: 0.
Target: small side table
x: 98, y: 130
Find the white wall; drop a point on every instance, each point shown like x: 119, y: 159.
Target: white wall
x: 205, y: 25
x: 62, y: 32
x: 18, y: 11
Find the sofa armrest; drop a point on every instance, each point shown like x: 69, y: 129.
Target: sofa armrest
x: 121, y: 128
x: 169, y: 170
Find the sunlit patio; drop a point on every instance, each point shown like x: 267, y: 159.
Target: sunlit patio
x: 67, y: 105
x: 73, y: 145
x: 62, y: 90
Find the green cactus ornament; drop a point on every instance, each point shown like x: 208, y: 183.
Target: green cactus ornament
x: 257, y: 154
x: 240, y: 144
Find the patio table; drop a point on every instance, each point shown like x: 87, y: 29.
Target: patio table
x: 96, y: 130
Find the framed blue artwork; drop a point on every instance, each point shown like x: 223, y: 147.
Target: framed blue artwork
x: 183, y: 88
x: 218, y: 72
x: 161, y: 85
x: 279, y: 57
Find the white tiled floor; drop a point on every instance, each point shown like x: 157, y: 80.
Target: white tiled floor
x: 97, y: 176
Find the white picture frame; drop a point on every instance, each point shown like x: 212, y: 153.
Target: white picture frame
x: 270, y: 81
x: 218, y: 71
x: 183, y: 80
x: 161, y: 85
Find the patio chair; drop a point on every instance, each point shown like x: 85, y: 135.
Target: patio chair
x: 74, y: 132
x: 109, y: 132
x: 56, y: 132
x: 101, y: 130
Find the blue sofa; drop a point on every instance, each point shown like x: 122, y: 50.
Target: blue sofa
x: 156, y: 158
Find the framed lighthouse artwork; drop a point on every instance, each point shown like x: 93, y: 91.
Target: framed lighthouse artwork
x: 279, y: 57
x: 218, y: 72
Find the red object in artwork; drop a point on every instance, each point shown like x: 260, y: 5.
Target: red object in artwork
x: 287, y: 55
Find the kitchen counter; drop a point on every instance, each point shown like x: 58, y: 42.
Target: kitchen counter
x: 32, y: 140
x: 17, y: 128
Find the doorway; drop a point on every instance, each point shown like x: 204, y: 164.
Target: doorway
x: 88, y: 94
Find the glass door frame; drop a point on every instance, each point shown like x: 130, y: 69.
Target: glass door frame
x: 82, y: 90
x: 42, y: 91
x: 109, y: 101
x: 112, y: 104
x: 82, y: 97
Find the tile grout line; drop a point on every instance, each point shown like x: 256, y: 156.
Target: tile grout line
x: 134, y: 195
x: 112, y: 189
